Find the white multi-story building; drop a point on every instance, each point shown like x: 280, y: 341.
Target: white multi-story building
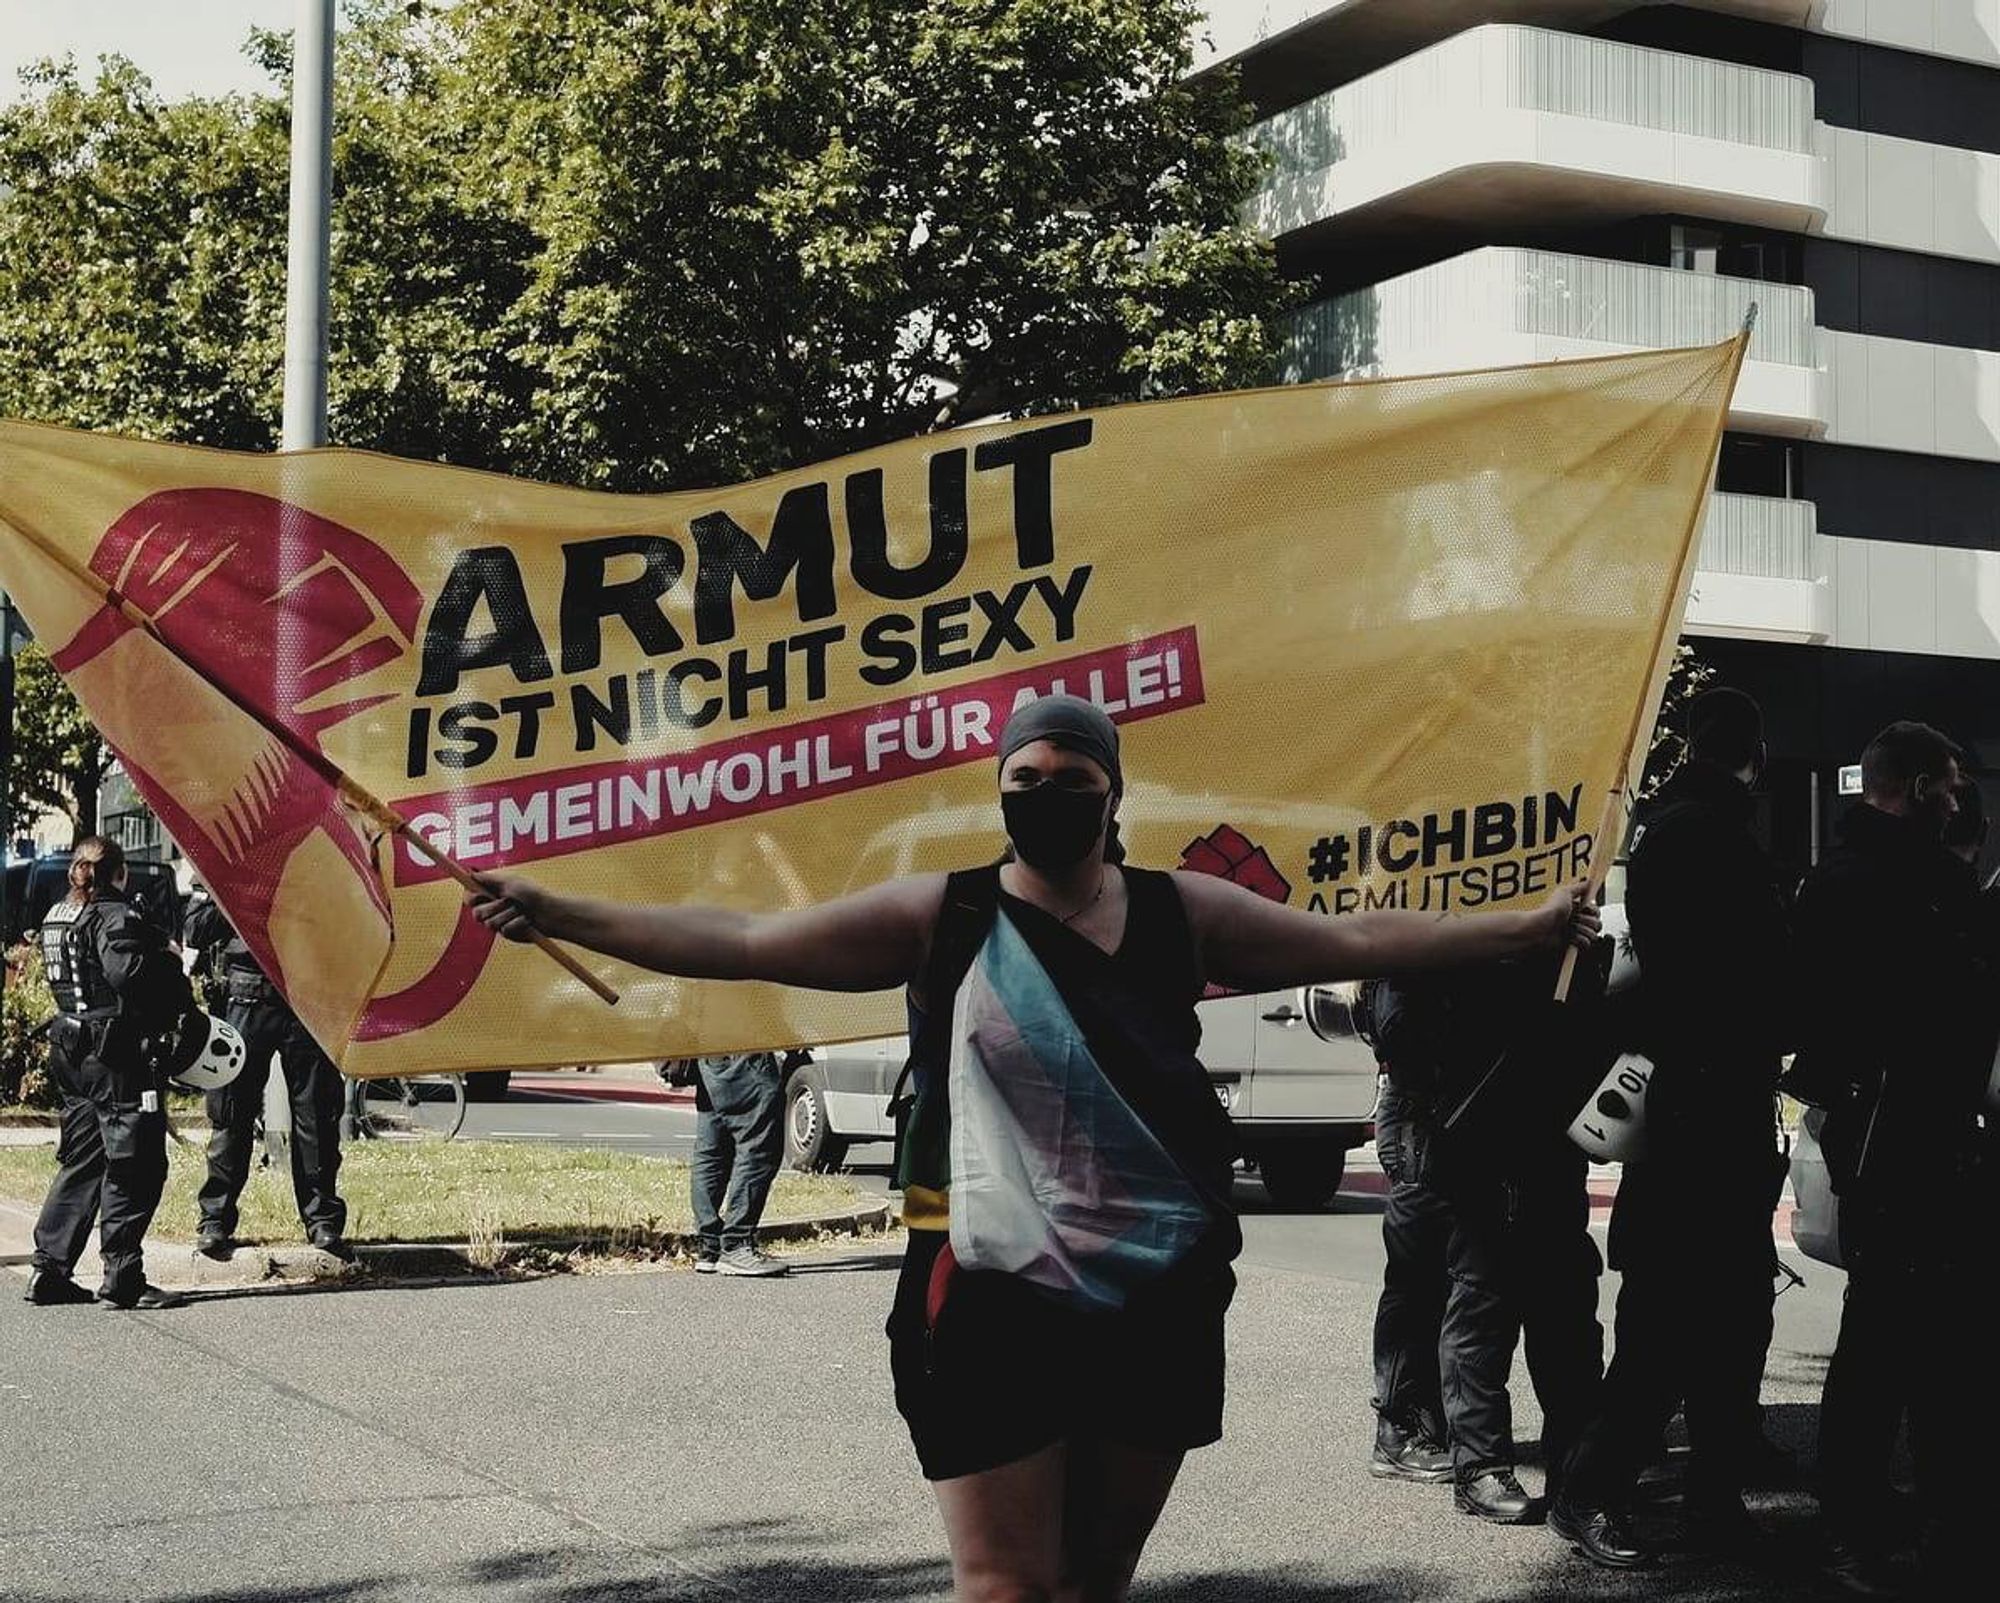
x: 1477, y: 182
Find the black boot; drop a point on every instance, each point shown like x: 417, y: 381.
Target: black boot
x: 1599, y: 1535
x: 1499, y: 1498
x: 145, y: 1295
x: 1408, y: 1454
x: 214, y: 1243
x: 333, y: 1243
x: 51, y: 1288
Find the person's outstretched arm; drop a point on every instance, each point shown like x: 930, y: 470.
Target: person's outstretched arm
x: 1251, y: 943
x: 871, y: 941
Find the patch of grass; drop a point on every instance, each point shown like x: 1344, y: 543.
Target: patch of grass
x: 493, y: 1194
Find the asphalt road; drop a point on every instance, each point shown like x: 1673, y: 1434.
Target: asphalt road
x: 1343, y: 1243
x: 637, y: 1437
x: 664, y: 1128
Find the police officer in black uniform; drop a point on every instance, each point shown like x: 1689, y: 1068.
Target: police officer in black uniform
x: 1410, y: 1433
x: 1898, y: 1049
x: 1691, y: 1232
x: 117, y: 987
x: 268, y: 1025
x: 1484, y: 1071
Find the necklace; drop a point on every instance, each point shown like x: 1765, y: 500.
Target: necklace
x: 1096, y: 897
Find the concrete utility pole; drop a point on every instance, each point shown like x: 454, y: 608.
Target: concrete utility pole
x: 306, y: 254
x: 12, y: 631
x: 312, y: 202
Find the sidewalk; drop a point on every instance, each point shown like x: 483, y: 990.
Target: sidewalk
x: 607, y: 1082
x: 172, y: 1264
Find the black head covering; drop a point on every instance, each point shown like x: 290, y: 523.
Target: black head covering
x: 1072, y: 723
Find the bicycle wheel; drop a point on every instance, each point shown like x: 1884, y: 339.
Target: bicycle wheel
x: 428, y: 1107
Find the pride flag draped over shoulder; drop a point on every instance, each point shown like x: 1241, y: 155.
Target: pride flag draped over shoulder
x: 1374, y: 644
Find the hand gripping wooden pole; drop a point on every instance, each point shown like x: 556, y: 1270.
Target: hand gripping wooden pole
x: 349, y: 789
x: 1614, y: 820
x: 363, y: 802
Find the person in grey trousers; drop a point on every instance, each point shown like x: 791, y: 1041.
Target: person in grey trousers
x: 739, y: 1141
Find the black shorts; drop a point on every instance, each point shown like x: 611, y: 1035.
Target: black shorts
x: 1008, y: 1372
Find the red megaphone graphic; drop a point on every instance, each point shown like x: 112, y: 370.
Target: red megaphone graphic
x: 281, y: 608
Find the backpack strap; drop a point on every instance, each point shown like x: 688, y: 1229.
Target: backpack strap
x: 971, y: 902
x: 918, y: 1107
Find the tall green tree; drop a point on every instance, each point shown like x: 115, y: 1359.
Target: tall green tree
x: 58, y: 760
x: 141, y: 259
x: 648, y: 243
x: 767, y: 232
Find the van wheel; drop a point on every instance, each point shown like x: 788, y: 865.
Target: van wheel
x: 1302, y: 1176
x: 809, y: 1142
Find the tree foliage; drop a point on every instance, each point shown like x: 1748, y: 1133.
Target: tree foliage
x: 648, y: 243
x: 58, y: 758
x: 636, y: 244
x: 783, y: 230
x: 25, y: 1011
x: 141, y: 259
x: 1686, y: 680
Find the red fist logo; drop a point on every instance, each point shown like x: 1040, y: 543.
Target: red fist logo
x: 1228, y: 854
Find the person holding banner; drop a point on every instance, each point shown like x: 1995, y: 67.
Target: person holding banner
x: 1056, y: 1337
x: 1488, y: 1196
x: 1691, y: 1232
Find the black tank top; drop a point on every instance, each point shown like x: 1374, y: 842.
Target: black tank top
x: 1136, y: 1008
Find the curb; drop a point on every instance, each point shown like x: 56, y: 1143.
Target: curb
x: 451, y: 1257
x: 290, y: 1267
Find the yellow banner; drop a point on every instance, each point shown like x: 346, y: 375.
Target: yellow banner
x: 1373, y: 644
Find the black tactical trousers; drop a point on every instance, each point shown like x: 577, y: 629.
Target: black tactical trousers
x: 1692, y: 1240
x: 739, y: 1141
x: 1500, y: 1260
x: 1416, y: 1236
x: 1909, y: 1347
x: 315, y: 1088
x: 111, y: 1166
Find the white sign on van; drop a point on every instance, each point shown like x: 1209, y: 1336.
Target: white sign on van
x: 1850, y: 780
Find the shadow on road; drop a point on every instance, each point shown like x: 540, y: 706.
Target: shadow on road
x: 1250, y: 1199
x: 586, y: 1576
x: 874, y: 1262
x: 775, y: 1560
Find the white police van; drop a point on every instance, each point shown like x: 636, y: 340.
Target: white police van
x: 1290, y: 1066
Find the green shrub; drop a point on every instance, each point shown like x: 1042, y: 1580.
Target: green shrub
x: 24, y: 1053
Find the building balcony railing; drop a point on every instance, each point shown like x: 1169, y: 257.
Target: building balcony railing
x: 1501, y: 67
x: 1763, y: 572
x: 1761, y: 537
x: 1418, y: 321
x: 1372, y: 31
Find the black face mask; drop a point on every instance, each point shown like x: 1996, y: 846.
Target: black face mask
x: 1053, y: 828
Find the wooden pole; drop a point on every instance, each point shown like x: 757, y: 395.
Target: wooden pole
x: 350, y: 790
x: 1612, y: 825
